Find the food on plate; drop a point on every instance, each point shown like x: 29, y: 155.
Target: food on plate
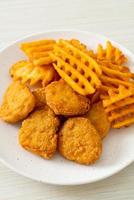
x: 89, y: 91
x: 99, y: 119
x: 111, y: 54
x: 120, y: 94
x: 76, y: 67
x: 40, y: 97
x: 120, y: 107
x: 114, y: 75
x: 26, y: 72
x: 63, y: 100
x: 38, y: 132
x: 17, y: 103
x: 76, y: 43
x: 38, y: 51
x: 113, y: 83
x: 79, y: 141
x: 120, y: 68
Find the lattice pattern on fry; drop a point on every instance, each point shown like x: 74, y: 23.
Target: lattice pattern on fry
x: 28, y: 73
x: 77, y: 68
x: 117, y: 96
x: 38, y: 51
x: 115, y: 72
x: 82, y: 47
x: 111, y: 54
x: 115, y: 75
x: 120, y: 107
x: 115, y: 82
x: 117, y: 67
x: 104, y: 90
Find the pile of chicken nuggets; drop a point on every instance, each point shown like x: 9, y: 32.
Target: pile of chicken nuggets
x: 68, y: 97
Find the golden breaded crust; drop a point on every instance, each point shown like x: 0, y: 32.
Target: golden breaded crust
x: 63, y: 100
x: 38, y: 132
x: 79, y: 141
x: 99, y: 119
x: 17, y: 103
x: 40, y: 97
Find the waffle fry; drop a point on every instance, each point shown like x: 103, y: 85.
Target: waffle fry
x: 78, y: 44
x: 115, y: 82
x: 28, y: 73
x: 82, y: 47
x: 102, y: 77
x: 38, y: 51
x: 115, y: 97
x: 111, y: 54
x: 114, y: 66
x: 115, y: 72
x: 115, y: 75
x: 77, y: 68
x: 122, y: 116
x: 120, y: 107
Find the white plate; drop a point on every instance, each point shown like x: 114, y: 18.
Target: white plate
x: 118, y: 147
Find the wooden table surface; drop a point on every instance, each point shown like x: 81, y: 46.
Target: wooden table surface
x: 113, y: 18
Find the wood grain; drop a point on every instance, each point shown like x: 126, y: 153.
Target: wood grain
x: 109, y: 17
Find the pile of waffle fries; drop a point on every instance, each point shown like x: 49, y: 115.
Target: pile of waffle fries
x: 99, y: 75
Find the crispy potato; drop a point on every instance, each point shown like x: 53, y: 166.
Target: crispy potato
x: 111, y: 54
x: 76, y: 66
x: 38, y: 132
x: 119, y: 107
x: 64, y: 101
x: 79, y: 141
x: 99, y: 119
x: 38, y: 51
x: 17, y: 103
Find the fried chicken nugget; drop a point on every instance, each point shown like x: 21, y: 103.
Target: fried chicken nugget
x: 79, y: 141
x: 63, y: 100
x: 99, y: 119
x: 40, y: 97
x: 17, y: 103
x: 38, y: 132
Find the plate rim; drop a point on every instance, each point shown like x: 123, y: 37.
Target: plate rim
x: 18, y: 171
